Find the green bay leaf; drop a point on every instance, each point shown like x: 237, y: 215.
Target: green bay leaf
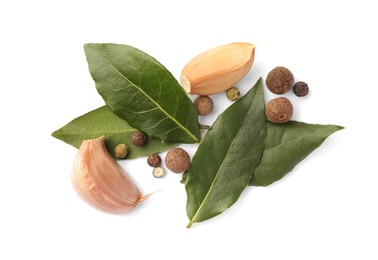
x: 221, y: 167
x: 285, y: 146
x: 143, y: 92
x: 103, y: 121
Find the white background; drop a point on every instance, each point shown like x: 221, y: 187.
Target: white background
x: 325, y: 209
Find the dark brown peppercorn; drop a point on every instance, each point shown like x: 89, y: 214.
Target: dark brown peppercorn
x: 300, y: 89
x: 138, y: 139
x: 204, y: 105
x: 279, y: 110
x: 279, y: 80
x: 177, y: 160
x: 154, y: 160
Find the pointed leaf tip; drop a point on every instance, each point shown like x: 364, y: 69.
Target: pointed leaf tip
x: 143, y: 92
x: 223, y: 162
x: 103, y: 121
x: 286, y: 145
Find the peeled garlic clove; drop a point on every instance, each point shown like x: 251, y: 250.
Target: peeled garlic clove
x: 217, y: 69
x: 100, y: 180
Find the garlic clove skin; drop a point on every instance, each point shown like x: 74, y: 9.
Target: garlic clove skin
x: 217, y: 69
x: 100, y: 180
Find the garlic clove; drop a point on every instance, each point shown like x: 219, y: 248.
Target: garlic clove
x: 100, y: 180
x: 217, y: 69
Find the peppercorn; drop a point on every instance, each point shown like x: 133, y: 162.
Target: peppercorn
x: 177, y: 160
x: 154, y: 160
x: 138, y: 139
x: 279, y: 110
x: 233, y: 93
x: 204, y: 105
x: 158, y: 172
x: 121, y: 150
x: 279, y: 80
x: 300, y: 89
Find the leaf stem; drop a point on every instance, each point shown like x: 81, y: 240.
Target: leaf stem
x: 190, y: 224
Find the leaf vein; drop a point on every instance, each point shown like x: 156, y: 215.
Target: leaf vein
x: 219, y: 169
x: 145, y: 94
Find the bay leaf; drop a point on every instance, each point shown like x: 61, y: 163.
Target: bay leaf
x: 221, y: 166
x: 143, y: 92
x: 285, y: 146
x: 103, y: 121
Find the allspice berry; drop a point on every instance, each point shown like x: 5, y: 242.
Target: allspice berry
x: 121, y: 150
x: 138, y: 139
x: 154, y: 160
x: 279, y: 80
x: 300, y: 89
x: 279, y: 110
x: 204, y: 105
x: 177, y: 160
